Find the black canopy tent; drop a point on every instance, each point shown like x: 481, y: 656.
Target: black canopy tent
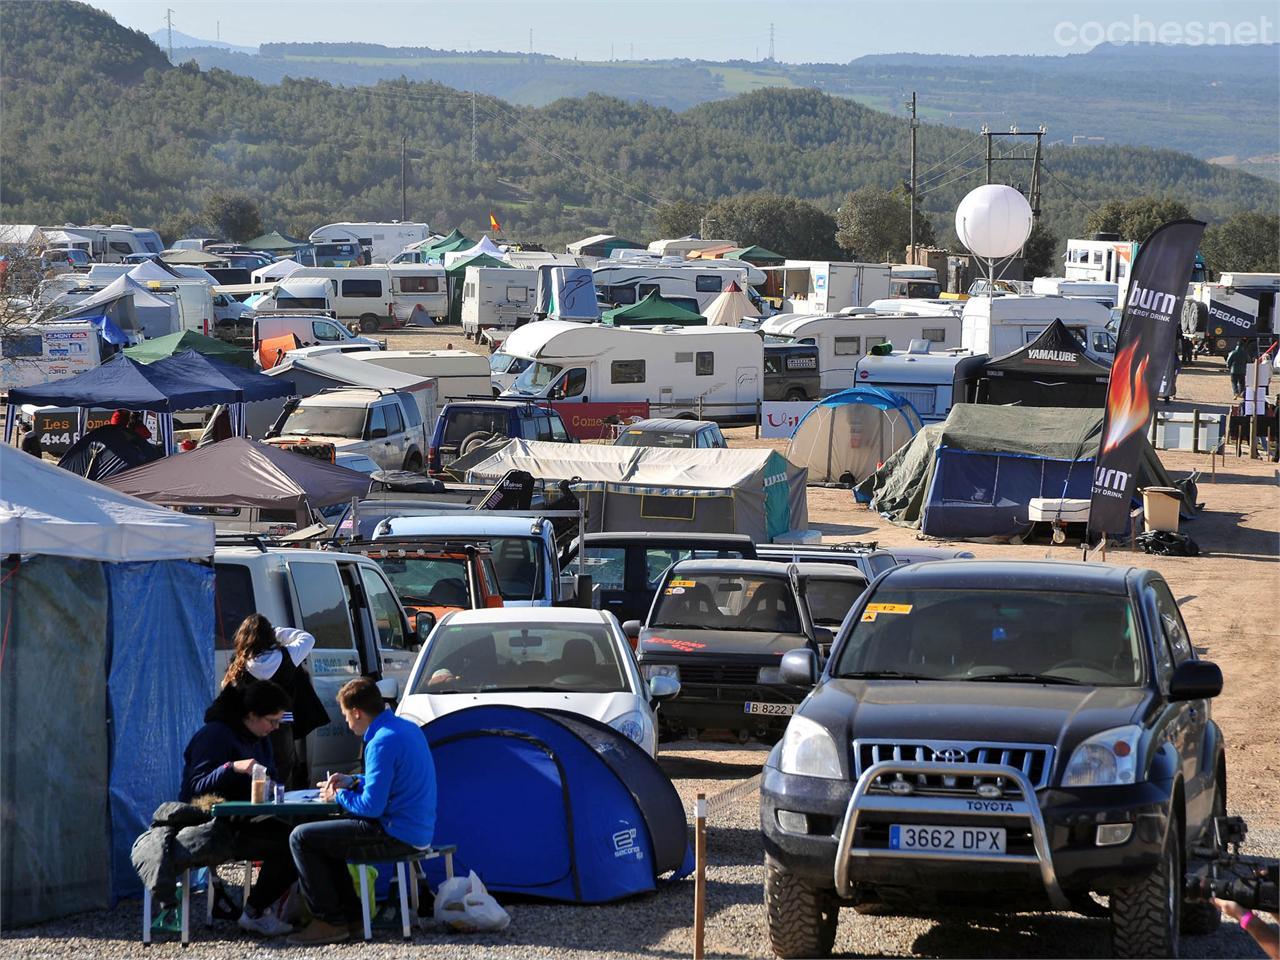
x: 1051, y: 371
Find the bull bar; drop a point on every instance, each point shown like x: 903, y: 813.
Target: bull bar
x: 862, y: 801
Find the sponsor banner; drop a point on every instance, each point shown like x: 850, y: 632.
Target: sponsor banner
x: 1144, y: 355
x: 59, y: 429
x: 591, y: 421
x: 778, y: 418
x: 1229, y: 321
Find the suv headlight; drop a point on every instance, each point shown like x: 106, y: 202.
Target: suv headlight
x: 631, y: 725
x: 651, y: 670
x: 809, y: 751
x: 1105, y: 759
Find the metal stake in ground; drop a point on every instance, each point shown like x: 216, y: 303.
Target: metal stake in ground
x: 700, y: 876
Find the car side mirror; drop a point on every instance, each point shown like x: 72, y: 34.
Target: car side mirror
x: 799, y: 667
x: 1195, y: 680
x: 568, y: 587
x: 663, y: 688
x: 389, y: 687
x: 632, y: 629
x: 423, y: 624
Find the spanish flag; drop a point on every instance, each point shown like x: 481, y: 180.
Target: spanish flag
x: 494, y: 224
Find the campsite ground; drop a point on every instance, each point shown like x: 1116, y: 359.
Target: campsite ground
x: 1228, y: 595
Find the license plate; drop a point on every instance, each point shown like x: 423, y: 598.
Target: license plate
x: 770, y: 709
x: 946, y: 839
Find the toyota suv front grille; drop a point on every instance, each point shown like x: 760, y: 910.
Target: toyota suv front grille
x: 1035, y: 761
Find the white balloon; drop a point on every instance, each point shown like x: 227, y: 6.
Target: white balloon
x: 993, y: 221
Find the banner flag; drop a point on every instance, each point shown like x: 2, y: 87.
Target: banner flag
x: 1144, y: 354
x: 494, y: 224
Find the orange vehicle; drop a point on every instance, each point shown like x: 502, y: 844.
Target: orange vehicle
x: 433, y: 577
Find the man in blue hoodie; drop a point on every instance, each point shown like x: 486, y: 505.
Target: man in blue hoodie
x: 392, y: 808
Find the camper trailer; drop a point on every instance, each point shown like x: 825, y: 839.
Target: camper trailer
x: 843, y: 338
x: 708, y: 372
x: 497, y: 298
x: 110, y: 244
x: 692, y: 285
x: 380, y: 241
x: 419, y: 290
x: 823, y: 286
x: 999, y: 325
x: 930, y: 382
x: 41, y: 353
x: 361, y: 295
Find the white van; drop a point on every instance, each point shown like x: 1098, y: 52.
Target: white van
x: 419, y: 292
x: 843, y: 339
x: 826, y: 286
x: 41, y: 353
x: 497, y: 298
x: 932, y: 382
x: 310, y: 329
x: 381, y: 241
x: 910, y: 280
x: 1000, y: 325
x: 356, y: 294
x: 295, y: 294
x: 693, y: 285
x: 712, y: 373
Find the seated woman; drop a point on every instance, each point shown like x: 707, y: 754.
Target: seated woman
x: 219, y: 760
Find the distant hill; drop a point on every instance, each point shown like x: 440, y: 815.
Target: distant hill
x: 37, y: 36
x: 184, y: 40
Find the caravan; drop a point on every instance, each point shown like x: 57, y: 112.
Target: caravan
x: 705, y: 372
x: 692, y: 285
x: 380, y: 241
x: 497, y: 298
x: 419, y: 291
x: 1000, y: 325
x: 931, y: 382
x: 843, y: 338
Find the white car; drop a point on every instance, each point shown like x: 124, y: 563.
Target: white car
x: 562, y: 658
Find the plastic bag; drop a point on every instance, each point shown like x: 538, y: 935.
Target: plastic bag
x: 464, y: 904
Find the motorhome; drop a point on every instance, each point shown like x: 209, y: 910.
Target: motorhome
x: 824, y: 286
x: 381, y: 241
x: 1108, y: 259
x: 459, y: 374
x: 910, y: 280
x: 419, y: 292
x: 497, y: 298
x: 931, y: 382
x: 920, y: 307
x: 110, y: 244
x: 1104, y: 293
x: 999, y: 325
x: 1238, y: 305
x: 41, y: 353
x: 843, y: 338
x: 361, y: 295
x: 713, y: 373
x: 692, y: 284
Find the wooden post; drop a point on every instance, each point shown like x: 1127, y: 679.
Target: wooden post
x: 1154, y: 421
x: 700, y: 876
x: 1253, y: 436
x: 1195, y: 430
x: 759, y: 416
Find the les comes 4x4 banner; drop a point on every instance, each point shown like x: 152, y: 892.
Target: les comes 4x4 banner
x: 1144, y: 356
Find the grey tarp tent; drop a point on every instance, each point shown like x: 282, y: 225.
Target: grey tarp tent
x: 243, y: 473
x: 756, y: 492
x: 974, y: 474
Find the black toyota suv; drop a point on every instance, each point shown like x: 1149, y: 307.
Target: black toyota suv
x: 1001, y: 735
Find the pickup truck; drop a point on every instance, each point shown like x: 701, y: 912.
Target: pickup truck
x: 996, y: 735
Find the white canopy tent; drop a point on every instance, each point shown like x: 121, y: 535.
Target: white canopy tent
x: 730, y: 307
x: 47, y: 510
x: 150, y: 270
x: 484, y: 246
x: 276, y: 271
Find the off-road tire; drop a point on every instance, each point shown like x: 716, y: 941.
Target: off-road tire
x: 473, y: 440
x: 796, y: 395
x: 1199, y: 917
x: 370, y: 324
x: 413, y: 462
x: 1145, y: 918
x: 802, y: 918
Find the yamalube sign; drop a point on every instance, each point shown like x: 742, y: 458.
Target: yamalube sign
x: 779, y: 418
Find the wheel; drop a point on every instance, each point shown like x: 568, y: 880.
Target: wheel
x: 370, y: 324
x: 413, y: 462
x: 473, y: 440
x: 802, y: 918
x: 1145, y: 918
x: 1200, y: 917
x: 795, y: 394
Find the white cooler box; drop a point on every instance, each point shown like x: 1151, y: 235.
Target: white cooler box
x: 1046, y: 510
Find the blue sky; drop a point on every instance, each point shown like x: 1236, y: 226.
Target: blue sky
x: 804, y: 30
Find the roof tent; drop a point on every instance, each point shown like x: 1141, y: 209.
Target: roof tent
x: 653, y: 309
x: 845, y: 437
x: 1051, y: 371
x: 975, y: 474
x: 596, y: 818
x: 755, y: 492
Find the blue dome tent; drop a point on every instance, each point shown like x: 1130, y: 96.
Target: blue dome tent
x: 845, y: 437
x: 596, y: 819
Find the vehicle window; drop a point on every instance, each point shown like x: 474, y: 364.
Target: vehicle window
x: 395, y: 422
x: 644, y: 289
x: 409, y: 410
x: 22, y: 345
x: 875, y: 342
x: 476, y: 658
x: 518, y: 294
x: 428, y: 581
x: 233, y: 600
x: 606, y: 566
x: 386, y: 613
x: 727, y: 601
x: 714, y: 437
x: 460, y: 424
x: 326, y: 422
x: 119, y: 247
x: 704, y: 364
x: 654, y: 438
x: 626, y: 371
x: 934, y: 334
x: 362, y: 288
x: 848, y: 346
x: 558, y: 432
x: 708, y: 283
x: 419, y: 285
x: 880, y: 563
x: 529, y: 428
x: 322, y: 600
x: 772, y: 364
x: 543, y: 427
x: 965, y: 634
x: 500, y: 363
x: 829, y: 599
x: 1175, y: 631
x: 574, y: 383
x: 377, y: 423
x: 535, y: 377
x: 623, y: 296
x: 326, y: 331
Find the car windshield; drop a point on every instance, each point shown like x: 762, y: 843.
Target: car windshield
x: 727, y: 601
x: 326, y: 422
x: 653, y: 438
x: 988, y: 634
x: 428, y: 581
x: 514, y: 657
x: 536, y: 378
x: 830, y: 598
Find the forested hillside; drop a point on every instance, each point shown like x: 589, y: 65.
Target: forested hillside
x: 137, y: 141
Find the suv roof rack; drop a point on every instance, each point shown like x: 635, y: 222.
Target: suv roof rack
x: 241, y: 540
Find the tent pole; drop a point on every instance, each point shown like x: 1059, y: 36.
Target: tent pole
x: 10, y: 412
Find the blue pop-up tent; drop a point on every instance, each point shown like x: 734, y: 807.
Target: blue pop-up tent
x: 553, y: 805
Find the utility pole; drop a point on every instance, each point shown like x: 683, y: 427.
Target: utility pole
x: 987, y: 133
x: 1033, y: 192
x: 1035, y: 176
x: 404, y: 201
x: 531, y: 41
x: 912, y: 198
x: 168, y: 19
x: 218, y: 30
x: 771, y: 43
x: 473, y: 127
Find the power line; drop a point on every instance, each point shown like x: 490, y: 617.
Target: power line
x: 925, y: 172
x: 1044, y: 167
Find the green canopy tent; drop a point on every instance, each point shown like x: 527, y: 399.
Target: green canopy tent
x: 653, y: 309
x: 455, y: 275
x: 757, y: 256
x: 275, y: 241
x: 454, y: 241
x: 150, y: 351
